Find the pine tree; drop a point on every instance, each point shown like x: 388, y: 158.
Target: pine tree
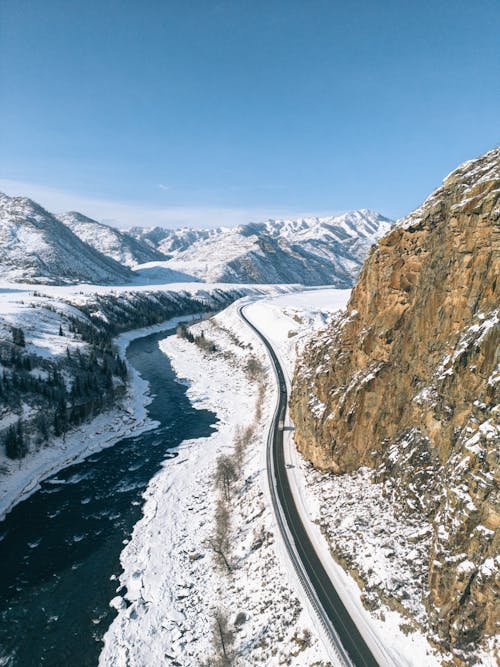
x: 15, y: 446
x: 18, y: 337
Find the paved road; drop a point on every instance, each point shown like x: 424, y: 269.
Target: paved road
x: 348, y: 646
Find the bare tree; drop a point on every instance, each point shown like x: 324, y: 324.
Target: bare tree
x: 225, y: 474
x: 219, y: 541
x: 254, y: 368
x: 222, y: 638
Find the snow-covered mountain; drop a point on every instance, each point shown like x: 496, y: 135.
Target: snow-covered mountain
x: 110, y: 241
x: 172, y: 241
x: 312, y: 251
x: 37, y: 247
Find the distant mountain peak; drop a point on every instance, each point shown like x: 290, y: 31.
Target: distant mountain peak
x: 37, y: 246
x: 312, y: 250
x: 112, y: 242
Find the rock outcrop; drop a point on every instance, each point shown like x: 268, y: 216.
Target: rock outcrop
x: 406, y: 383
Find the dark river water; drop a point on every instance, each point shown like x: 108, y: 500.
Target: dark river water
x: 60, y: 547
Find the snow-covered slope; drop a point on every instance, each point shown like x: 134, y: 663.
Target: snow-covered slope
x: 173, y: 241
x: 37, y: 247
x: 158, y: 273
x: 312, y: 251
x: 111, y: 242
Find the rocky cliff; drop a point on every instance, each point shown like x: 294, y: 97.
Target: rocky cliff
x: 405, y: 382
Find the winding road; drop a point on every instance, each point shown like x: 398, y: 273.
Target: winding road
x: 348, y: 646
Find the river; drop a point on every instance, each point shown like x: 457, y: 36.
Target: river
x: 60, y: 548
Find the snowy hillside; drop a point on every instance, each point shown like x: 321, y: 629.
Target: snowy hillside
x: 111, y: 242
x: 36, y: 247
x: 173, y: 241
x: 312, y: 251
x: 52, y: 336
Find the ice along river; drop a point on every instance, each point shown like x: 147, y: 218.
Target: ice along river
x: 61, y: 546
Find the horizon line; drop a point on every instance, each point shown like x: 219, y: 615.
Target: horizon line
x: 123, y: 215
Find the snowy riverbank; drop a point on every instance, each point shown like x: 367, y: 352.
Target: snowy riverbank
x: 173, y: 582
x: 20, y: 479
x: 46, y: 315
x: 173, y: 589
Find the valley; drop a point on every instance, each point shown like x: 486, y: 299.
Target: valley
x: 249, y: 334
x: 135, y: 419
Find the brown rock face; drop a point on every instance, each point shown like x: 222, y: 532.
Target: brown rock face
x: 406, y: 382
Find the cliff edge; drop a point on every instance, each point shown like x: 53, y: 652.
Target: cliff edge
x: 405, y: 382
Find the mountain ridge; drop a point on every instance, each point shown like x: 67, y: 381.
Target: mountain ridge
x: 37, y: 247
x: 314, y: 250
x: 110, y: 241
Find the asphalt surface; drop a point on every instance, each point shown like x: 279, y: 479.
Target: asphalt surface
x: 347, y: 642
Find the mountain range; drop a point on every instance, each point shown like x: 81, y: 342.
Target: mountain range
x: 110, y: 241
x: 311, y: 251
x: 37, y: 246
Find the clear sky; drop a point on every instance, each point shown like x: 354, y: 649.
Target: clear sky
x: 219, y: 112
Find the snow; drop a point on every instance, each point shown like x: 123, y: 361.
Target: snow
x: 470, y: 174
x: 38, y: 247
x: 39, y: 314
x: 171, y: 586
x: 314, y: 250
x: 289, y: 320
x: 35, y: 246
x: 158, y: 272
x: 174, y: 593
x: 12, y: 294
x: 385, y: 631
x: 109, y: 241
x: 363, y: 527
x: 179, y: 511
x: 20, y: 479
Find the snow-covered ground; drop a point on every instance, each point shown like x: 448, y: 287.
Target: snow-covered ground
x: 326, y: 250
x: 20, y: 479
x: 39, y: 311
x: 289, y: 320
x: 385, y: 631
x: 36, y: 246
x: 173, y: 581
x: 172, y: 588
x: 351, y: 517
x: 81, y: 293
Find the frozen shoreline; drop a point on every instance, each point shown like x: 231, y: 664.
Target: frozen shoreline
x: 106, y: 430
x: 40, y: 311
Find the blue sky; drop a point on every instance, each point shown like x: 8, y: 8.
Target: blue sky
x: 219, y: 112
